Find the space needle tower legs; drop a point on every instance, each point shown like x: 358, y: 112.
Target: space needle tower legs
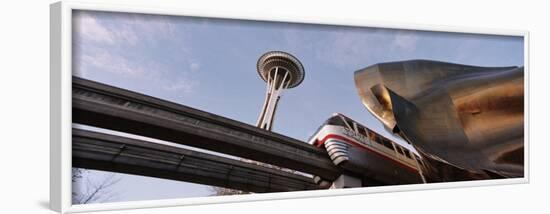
x: 280, y: 71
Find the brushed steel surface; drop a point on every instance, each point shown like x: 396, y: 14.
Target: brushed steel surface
x: 467, y: 121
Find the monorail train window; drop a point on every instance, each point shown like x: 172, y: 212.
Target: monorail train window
x: 399, y: 149
x: 336, y: 120
x: 362, y: 130
x: 408, y: 153
x: 350, y: 122
x: 372, y: 136
x: 375, y: 138
x: 419, y: 160
x: 387, y: 143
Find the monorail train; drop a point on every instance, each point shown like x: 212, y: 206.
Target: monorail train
x: 368, y: 155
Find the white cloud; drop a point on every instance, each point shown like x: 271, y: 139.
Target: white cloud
x: 150, y: 72
x: 405, y: 41
x: 194, y: 67
x: 183, y: 85
x: 120, y: 45
x: 352, y: 48
x: 355, y: 48
x: 123, y: 29
x: 126, y: 34
x: 158, y: 26
x: 112, y: 63
x: 90, y: 29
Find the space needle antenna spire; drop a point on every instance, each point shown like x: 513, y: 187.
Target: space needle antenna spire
x: 280, y: 71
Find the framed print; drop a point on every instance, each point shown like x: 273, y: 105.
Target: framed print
x: 162, y: 107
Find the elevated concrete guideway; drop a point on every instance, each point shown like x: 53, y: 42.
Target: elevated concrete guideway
x: 108, y: 107
x: 100, y: 151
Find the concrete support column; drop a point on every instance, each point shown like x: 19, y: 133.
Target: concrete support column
x: 346, y: 181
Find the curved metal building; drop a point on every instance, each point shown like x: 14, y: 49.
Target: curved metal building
x: 467, y: 122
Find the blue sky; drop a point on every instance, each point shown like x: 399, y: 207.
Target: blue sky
x: 210, y: 64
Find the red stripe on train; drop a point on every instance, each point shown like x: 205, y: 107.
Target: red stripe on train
x: 339, y: 137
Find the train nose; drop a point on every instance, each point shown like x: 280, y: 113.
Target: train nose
x: 338, y: 151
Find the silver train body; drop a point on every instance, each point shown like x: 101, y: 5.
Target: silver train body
x: 366, y: 154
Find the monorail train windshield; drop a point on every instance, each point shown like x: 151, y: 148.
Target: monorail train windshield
x: 335, y: 120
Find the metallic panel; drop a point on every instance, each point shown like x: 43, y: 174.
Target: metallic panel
x: 466, y: 121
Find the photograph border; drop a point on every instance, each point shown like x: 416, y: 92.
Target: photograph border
x: 61, y: 104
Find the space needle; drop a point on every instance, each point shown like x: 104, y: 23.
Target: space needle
x: 280, y: 71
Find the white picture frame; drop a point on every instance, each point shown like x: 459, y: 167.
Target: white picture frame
x: 60, y: 107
